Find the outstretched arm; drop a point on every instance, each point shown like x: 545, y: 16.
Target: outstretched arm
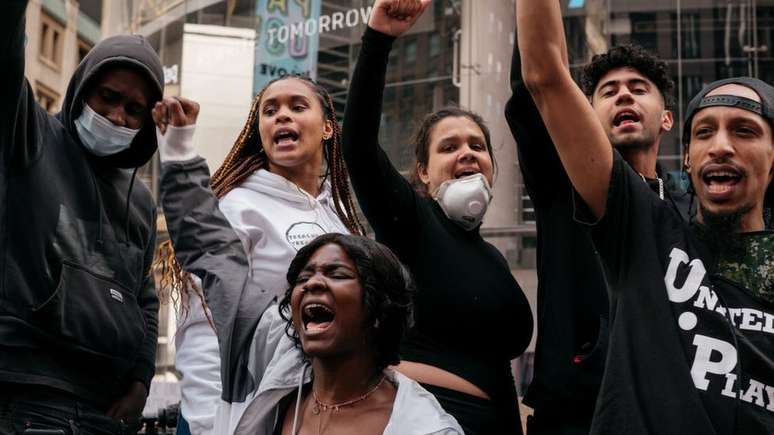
x: 386, y: 198
x: 575, y: 130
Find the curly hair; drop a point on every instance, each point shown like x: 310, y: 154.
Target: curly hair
x: 421, y: 140
x: 388, y: 291
x: 631, y: 56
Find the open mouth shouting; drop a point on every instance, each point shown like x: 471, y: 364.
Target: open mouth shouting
x: 285, y: 137
x: 626, y: 118
x: 466, y: 171
x: 720, y: 180
x: 316, y: 317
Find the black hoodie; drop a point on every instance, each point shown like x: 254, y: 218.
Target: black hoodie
x: 78, y: 310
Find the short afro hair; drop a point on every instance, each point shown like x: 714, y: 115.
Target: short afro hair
x: 388, y: 292
x: 631, y: 56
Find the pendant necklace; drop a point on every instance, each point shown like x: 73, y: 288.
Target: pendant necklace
x: 320, y: 406
x: 660, y: 185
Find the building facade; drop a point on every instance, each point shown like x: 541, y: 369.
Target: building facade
x: 59, y: 34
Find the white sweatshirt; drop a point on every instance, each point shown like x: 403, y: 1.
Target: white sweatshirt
x: 274, y: 218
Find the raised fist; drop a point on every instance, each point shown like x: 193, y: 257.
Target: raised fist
x: 177, y: 111
x: 395, y: 17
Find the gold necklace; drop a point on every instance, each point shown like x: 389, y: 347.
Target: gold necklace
x: 320, y: 406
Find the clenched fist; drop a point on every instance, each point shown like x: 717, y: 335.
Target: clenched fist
x: 395, y: 17
x: 177, y: 111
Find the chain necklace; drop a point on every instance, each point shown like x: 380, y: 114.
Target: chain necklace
x: 660, y: 185
x: 320, y: 406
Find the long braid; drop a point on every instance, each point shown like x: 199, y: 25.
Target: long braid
x: 247, y: 156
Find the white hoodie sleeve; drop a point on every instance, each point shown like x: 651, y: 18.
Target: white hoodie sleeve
x: 197, y: 358
x: 177, y: 144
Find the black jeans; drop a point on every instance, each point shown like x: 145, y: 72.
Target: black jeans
x: 29, y: 407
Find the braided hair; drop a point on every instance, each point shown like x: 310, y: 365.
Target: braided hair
x: 247, y: 156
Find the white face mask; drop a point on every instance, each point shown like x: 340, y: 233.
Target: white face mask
x: 100, y: 136
x: 465, y: 200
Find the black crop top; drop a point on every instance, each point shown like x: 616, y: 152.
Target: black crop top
x: 471, y: 316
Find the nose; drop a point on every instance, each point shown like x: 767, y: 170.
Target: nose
x: 314, y: 283
x: 117, y: 115
x: 624, y: 96
x: 467, y: 154
x: 283, y: 114
x: 720, y: 145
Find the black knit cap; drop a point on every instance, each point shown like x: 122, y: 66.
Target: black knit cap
x: 765, y: 109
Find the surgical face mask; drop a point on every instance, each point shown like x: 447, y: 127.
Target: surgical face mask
x: 465, y: 200
x: 100, y: 136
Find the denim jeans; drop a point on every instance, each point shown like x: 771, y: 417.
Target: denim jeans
x: 29, y: 407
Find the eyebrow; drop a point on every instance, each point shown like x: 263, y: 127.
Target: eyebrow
x: 477, y: 137
x: 634, y: 81
x: 327, y: 266
x: 292, y: 98
x: 141, y: 101
x: 736, y: 118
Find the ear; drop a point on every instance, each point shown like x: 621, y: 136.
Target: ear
x: 687, y: 163
x: 667, y: 120
x: 327, y: 129
x: 423, y: 175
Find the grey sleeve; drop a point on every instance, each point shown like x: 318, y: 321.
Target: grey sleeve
x: 207, y: 246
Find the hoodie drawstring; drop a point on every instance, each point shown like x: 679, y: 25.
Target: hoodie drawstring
x: 128, y: 205
x: 294, y: 431
x: 98, y: 194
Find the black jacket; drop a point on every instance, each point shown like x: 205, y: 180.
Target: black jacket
x: 78, y: 310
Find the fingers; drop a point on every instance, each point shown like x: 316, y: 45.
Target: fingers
x: 176, y: 114
x: 177, y: 111
x: 160, y: 115
x: 405, y: 10
x: 190, y: 107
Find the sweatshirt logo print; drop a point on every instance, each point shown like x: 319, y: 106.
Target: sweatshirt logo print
x: 115, y: 294
x: 715, y: 361
x: 300, y: 234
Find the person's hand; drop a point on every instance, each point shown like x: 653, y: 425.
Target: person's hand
x: 395, y: 17
x: 129, y: 407
x: 175, y: 111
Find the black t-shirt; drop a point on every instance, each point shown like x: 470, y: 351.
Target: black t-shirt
x: 572, y: 319
x: 471, y: 316
x: 690, y: 351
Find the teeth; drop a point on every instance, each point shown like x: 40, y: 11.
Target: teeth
x: 283, y: 135
x: 308, y: 309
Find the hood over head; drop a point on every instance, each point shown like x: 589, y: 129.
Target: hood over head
x: 128, y: 51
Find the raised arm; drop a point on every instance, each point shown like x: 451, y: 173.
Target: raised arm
x: 543, y: 173
x: 580, y: 141
x: 386, y: 197
x: 207, y: 246
x: 19, y: 113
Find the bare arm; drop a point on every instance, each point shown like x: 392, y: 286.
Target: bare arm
x: 580, y: 141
